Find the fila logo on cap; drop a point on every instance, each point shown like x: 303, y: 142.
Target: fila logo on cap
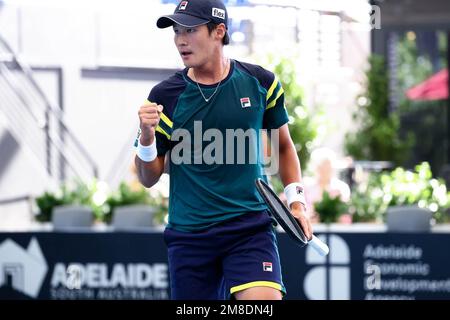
x: 267, y: 266
x: 245, y: 102
x: 218, y: 13
x: 183, y: 5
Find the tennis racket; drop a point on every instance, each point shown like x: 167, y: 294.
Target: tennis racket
x: 285, y: 219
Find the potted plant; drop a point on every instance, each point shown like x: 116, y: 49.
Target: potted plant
x: 400, y: 187
x: 367, y: 202
x: 91, y: 194
x: 128, y: 195
x: 330, y: 208
x: 404, y: 187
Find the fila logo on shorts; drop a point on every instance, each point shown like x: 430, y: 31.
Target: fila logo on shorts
x: 183, y: 5
x: 218, y: 13
x: 267, y: 266
x: 245, y: 102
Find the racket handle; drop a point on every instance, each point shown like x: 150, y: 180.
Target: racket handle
x: 319, y: 246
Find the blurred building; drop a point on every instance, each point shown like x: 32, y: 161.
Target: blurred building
x: 415, y: 40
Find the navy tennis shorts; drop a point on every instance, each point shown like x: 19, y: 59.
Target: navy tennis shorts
x: 234, y: 255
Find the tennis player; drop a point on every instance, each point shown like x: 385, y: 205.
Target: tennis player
x: 220, y: 237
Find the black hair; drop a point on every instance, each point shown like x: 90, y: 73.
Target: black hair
x: 212, y: 26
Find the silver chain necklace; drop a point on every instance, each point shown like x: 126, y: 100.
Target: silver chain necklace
x: 217, y: 87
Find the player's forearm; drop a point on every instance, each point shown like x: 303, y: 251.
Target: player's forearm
x: 289, y: 165
x: 290, y: 174
x: 149, y: 172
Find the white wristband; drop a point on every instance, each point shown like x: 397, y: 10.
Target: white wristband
x: 295, y: 192
x: 147, y: 153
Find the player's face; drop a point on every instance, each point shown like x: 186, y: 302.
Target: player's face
x: 194, y: 44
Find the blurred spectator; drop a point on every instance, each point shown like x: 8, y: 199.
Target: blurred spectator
x: 324, y: 164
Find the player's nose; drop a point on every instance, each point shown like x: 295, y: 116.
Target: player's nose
x: 180, y: 41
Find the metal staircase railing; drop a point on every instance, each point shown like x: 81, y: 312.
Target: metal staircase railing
x: 38, y: 123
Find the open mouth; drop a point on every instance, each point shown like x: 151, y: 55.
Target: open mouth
x: 185, y: 54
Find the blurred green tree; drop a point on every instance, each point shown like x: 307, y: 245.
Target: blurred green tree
x: 377, y: 137
x: 303, y: 124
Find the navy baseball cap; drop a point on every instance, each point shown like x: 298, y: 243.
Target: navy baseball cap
x: 193, y: 13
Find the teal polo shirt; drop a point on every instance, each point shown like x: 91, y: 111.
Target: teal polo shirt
x: 211, y: 180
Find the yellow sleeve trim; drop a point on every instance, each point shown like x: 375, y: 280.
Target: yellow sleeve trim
x: 161, y: 130
x: 163, y: 117
x: 272, y: 88
x: 256, y: 284
x: 272, y: 104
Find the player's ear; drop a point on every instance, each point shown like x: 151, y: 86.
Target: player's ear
x: 220, y: 31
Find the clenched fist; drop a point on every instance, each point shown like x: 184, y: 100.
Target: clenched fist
x: 149, y: 115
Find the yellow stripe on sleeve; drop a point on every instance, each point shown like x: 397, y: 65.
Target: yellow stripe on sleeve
x: 272, y: 104
x: 166, y: 120
x: 272, y: 88
x: 161, y: 130
x: 163, y: 117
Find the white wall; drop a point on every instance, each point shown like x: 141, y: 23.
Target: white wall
x: 101, y: 110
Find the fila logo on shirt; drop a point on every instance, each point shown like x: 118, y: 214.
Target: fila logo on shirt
x: 218, y: 13
x: 245, y: 102
x: 267, y: 266
x: 183, y: 5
